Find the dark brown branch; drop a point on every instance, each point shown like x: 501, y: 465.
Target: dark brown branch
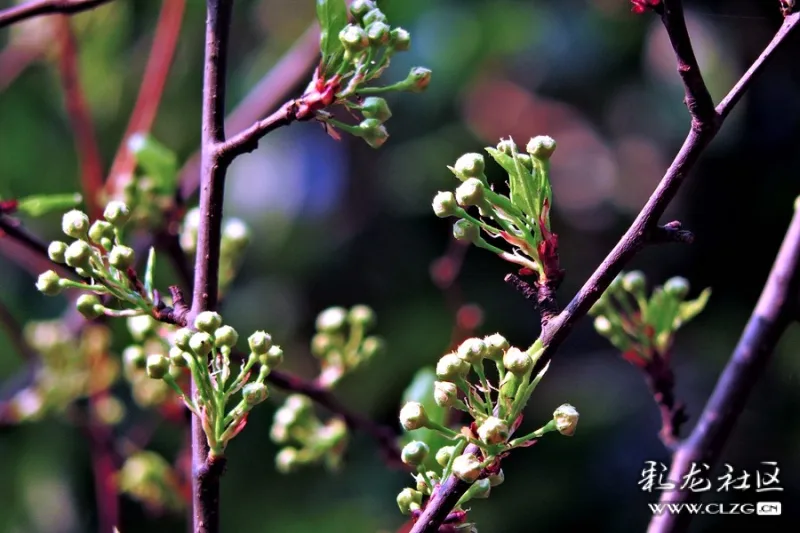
x: 775, y: 310
x: 247, y: 140
x: 559, y: 327
x: 36, y: 8
x: 205, y: 471
x: 15, y: 336
x: 29, y: 250
x: 541, y: 295
x: 661, y: 381
x: 80, y: 117
x: 698, y: 99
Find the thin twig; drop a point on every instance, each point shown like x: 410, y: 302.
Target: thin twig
x: 80, y: 117
x: 775, y: 310
x: 156, y: 71
x: 36, y: 8
x: 15, y: 336
x: 557, y: 329
x: 206, y: 470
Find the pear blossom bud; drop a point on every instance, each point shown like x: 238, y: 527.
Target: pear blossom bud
x: 201, y: 343
x: 372, y: 16
x: 471, y: 192
x: 100, y: 231
x: 373, y: 132
x: 134, y: 357
x: 472, y: 350
x: 467, y: 468
x: 444, y: 204
x: 400, y: 40
x: 496, y: 346
x: 541, y: 147
x: 444, y: 454
x: 287, y: 460
x: 56, y: 251
x: 464, y: 230
x: 259, y: 342
x: 603, y: 325
x: 516, y: 361
x: 157, y: 366
x: 78, y: 254
x: 414, y: 453
x: 677, y: 287
x: 413, y: 416
x: 178, y: 357
x: 497, y: 479
x: 182, y: 337
x: 359, y: 8
x: 208, y: 321
x: 566, y: 418
x: 48, y: 283
x: 121, y: 257
x: 353, y: 38
x: 377, y: 108
x: 493, y: 430
x: 225, y: 336
x: 481, y: 489
x: 89, y: 306
x: 75, y: 224
x: 273, y: 357
x: 451, y: 367
x: 633, y: 281
x: 445, y: 393
x: 470, y: 165
x: 117, y: 213
x: 409, y: 500
x: 254, y: 393
x: 332, y: 320
x: 378, y: 33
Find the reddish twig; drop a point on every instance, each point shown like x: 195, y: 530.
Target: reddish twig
x: 36, y: 8
x: 78, y: 111
x: 775, y: 310
x: 637, y: 235
x: 156, y: 71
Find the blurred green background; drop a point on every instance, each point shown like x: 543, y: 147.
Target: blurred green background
x: 337, y: 223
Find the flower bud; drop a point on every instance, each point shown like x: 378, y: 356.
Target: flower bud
x: 633, y: 282
x: 493, y: 430
x: 359, y: 8
x: 497, y: 479
x: 141, y: 326
x: 409, y: 500
x: 373, y: 15
x: 445, y: 393
x: 496, y: 346
x: 413, y: 416
x: 422, y: 484
x: 471, y: 192
x: 603, y: 325
x: 541, y: 147
x: 56, y: 251
x: 516, y: 361
x: 201, y: 343
x: 235, y: 234
x: 472, y: 350
x: 78, y: 254
x: 100, y: 231
x: 117, y: 213
x: 373, y: 132
x: 332, y: 320
x: 451, y: 367
x: 182, y: 338
x: 48, y: 283
x: 225, y: 336
x: 444, y: 204
x: 507, y: 146
x: 134, y: 357
x: 254, y: 393
x: 464, y: 230
x: 157, y: 366
x: 259, y: 342
x: 121, y: 257
x: 286, y: 461
x: 353, y: 38
x: 400, y: 40
x: 178, y: 357
x: 273, y: 357
x: 89, y: 306
x: 322, y: 344
x: 414, y: 453
x: 377, y: 108
x: 372, y: 346
x: 677, y: 287
x: 566, y: 418
x: 526, y: 161
x: 362, y: 316
x: 467, y: 468
x: 75, y: 224
x: 418, y: 80
x: 444, y: 454
x: 470, y: 165
x: 378, y: 33
x: 208, y: 321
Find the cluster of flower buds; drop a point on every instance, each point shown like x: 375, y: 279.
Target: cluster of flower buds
x: 234, y: 243
x: 69, y: 369
x: 341, y: 342
x: 147, y: 477
x: 150, y: 191
x: 305, y: 438
x: 643, y: 328
x: 494, y: 408
x: 357, y: 54
x: 206, y: 352
x: 99, y: 256
x: 522, y: 219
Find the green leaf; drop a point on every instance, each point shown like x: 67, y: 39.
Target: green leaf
x: 521, y: 183
x: 157, y: 161
x: 689, y: 310
x: 39, y: 205
x: 421, y: 390
x: 332, y: 16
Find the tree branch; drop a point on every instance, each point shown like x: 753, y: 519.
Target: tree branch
x: 698, y: 99
x: 81, y: 119
x: 775, y: 310
x: 36, y: 8
x: 557, y: 329
x: 156, y: 71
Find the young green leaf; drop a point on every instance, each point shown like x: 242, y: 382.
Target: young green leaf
x: 39, y: 205
x: 158, y: 161
x: 332, y: 16
x: 517, y: 176
x: 148, y: 274
x: 689, y: 310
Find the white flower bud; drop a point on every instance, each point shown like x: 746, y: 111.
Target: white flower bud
x: 566, y: 418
